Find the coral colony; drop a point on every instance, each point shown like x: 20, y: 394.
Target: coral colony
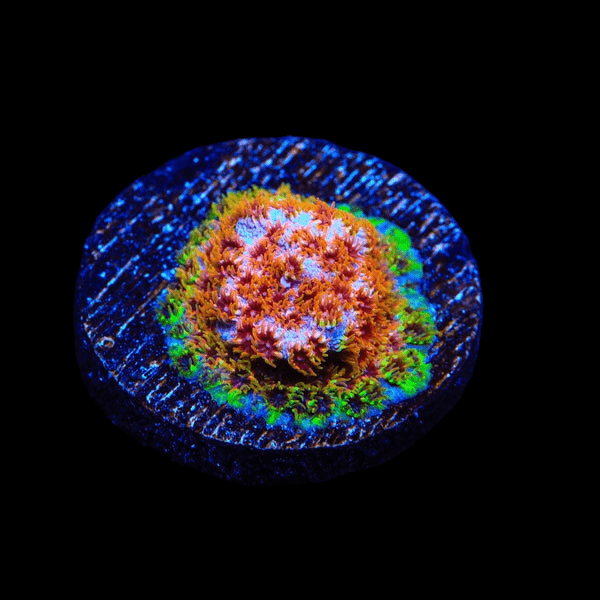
x: 299, y: 311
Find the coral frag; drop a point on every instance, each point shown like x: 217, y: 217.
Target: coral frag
x: 297, y: 311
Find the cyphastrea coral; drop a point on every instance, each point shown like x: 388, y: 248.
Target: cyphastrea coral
x: 298, y: 311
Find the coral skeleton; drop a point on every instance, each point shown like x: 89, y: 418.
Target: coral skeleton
x: 298, y: 311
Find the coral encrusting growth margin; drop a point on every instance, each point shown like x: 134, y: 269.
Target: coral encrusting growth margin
x: 298, y: 311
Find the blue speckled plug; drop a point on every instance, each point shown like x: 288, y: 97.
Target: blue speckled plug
x: 129, y: 261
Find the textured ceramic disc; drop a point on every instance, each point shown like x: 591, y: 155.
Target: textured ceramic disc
x: 126, y: 264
